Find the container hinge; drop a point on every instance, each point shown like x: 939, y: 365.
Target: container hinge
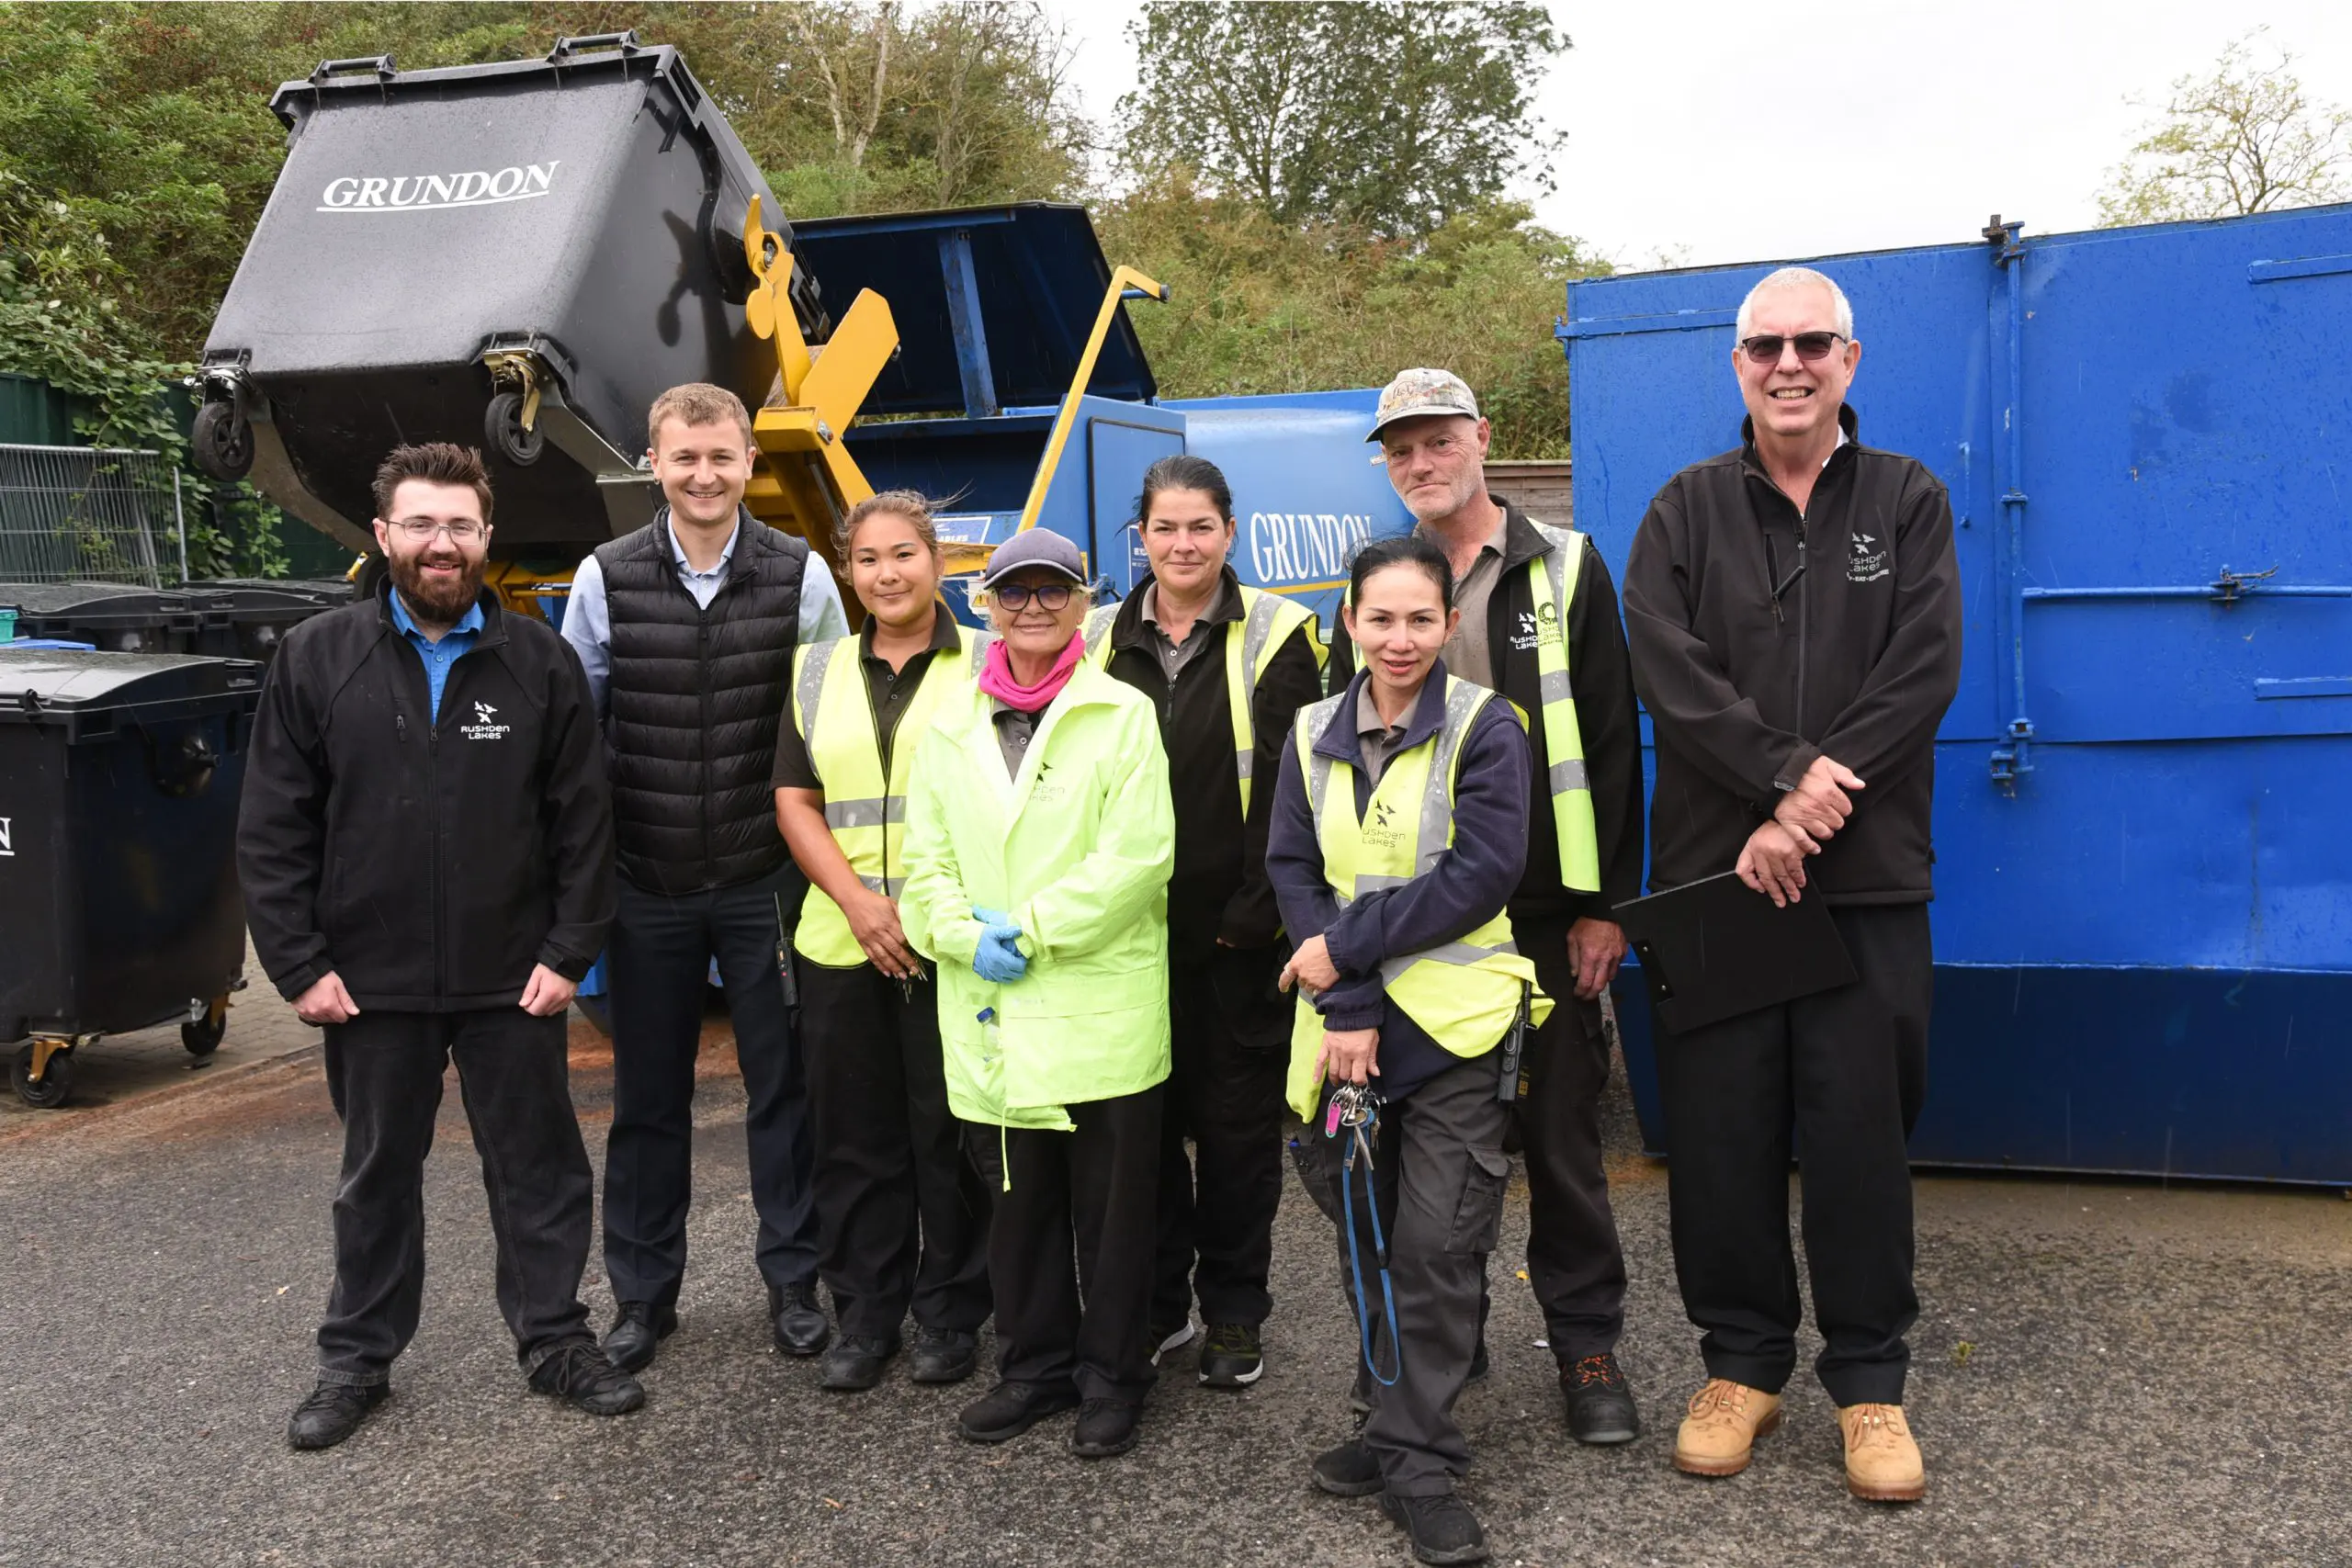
x: 2013, y: 759
x: 2006, y: 238
x: 2230, y: 584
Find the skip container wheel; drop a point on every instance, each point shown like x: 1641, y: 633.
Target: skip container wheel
x: 502, y: 425
x: 202, y: 1035
x: 223, y: 443
x: 56, y: 1082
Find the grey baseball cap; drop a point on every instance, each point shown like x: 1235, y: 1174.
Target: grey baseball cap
x: 1422, y: 391
x: 1034, y: 547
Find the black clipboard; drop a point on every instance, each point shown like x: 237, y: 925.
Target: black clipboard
x: 1713, y: 948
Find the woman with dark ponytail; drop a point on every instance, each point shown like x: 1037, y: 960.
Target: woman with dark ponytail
x: 1226, y: 668
x: 1399, y: 831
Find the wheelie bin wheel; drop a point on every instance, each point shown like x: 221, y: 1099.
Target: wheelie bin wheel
x: 55, y: 1083
x: 202, y: 1035
x: 223, y: 444
x: 502, y: 425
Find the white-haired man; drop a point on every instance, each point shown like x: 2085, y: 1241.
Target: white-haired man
x: 1794, y: 617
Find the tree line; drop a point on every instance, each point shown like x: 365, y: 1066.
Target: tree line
x: 1331, y: 191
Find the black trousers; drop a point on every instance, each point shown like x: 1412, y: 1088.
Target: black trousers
x: 659, y: 955
x: 1848, y: 1070
x: 902, y: 1214
x: 1574, y: 1261
x: 384, y: 1074
x: 1438, y: 1178
x: 1070, y: 1248
x: 1216, y: 1207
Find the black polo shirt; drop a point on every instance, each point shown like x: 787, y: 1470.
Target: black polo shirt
x: 888, y: 693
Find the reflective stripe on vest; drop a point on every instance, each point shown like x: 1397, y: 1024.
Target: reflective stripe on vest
x: 1464, y: 993
x: 1267, y: 622
x: 831, y: 709
x: 1552, y: 582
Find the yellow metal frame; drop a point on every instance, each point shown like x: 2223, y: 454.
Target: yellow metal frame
x: 807, y: 479
x: 1123, y: 279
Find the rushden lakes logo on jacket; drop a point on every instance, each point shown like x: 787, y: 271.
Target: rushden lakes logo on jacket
x: 485, y: 726
x: 1868, y: 562
x: 1380, y: 829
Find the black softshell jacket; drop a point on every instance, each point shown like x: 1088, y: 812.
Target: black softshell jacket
x: 428, y: 865
x: 1857, y: 659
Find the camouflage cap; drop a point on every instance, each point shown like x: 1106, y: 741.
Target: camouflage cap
x: 1422, y: 391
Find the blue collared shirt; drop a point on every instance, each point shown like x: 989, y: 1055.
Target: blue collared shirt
x: 454, y: 645
x: 588, y: 623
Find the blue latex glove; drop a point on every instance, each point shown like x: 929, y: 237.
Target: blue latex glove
x: 994, y: 917
x: 997, y: 960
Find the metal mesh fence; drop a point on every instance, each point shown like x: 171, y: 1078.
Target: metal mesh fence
x: 90, y: 515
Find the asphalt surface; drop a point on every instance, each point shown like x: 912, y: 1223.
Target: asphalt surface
x: 2105, y: 1374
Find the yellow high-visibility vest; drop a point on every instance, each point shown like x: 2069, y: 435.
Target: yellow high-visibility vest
x: 1552, y: 586
x: 1267, y: 621
x: 1466, y: 993
x: 833, y: 712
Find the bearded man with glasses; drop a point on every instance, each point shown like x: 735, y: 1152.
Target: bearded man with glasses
x: 1794, y: 615
x: 425, y: 843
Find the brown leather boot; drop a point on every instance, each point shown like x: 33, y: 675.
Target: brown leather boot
x: 1718, y: 1436
x: 1883, y: 1463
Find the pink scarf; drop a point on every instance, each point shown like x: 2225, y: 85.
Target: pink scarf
x: 997, y: 680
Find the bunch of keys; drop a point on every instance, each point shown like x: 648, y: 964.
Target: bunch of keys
x: 907, y: 982
x: 1354, y: 1106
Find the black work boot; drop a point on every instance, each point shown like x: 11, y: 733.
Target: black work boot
x: 580, y: 1376
x: 1348, y: 1471
x: 1600, y: 1402
x: 941, y: 1355
x: 1234, y: 1356
x: 333, y: 1412
x: 1011, y: 1408
x: 1106, y: 1427
x: 855, y: 1363
x: 1442, y: 1528
x: 800, y: 1325
x: 630, y: 1342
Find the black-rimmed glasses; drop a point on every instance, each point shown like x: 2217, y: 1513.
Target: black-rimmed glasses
x: 1050, y: 596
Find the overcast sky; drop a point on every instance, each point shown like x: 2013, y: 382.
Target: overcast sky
x: 1709, y: 131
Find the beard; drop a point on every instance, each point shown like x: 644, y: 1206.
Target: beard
x: 442, y: 601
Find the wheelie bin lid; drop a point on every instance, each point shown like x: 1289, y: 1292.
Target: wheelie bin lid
x: 85, y: 693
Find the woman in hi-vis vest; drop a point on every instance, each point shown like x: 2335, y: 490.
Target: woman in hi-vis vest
x: 1399, y: 831
x: 902, y: 1213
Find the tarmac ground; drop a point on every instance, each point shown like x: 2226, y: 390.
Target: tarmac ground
x: 2104, y: 1373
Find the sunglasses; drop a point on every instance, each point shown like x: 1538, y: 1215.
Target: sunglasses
x: 1765, y: 348
x: 1015, y: 596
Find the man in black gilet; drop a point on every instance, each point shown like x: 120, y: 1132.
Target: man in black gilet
x: 686, y: 629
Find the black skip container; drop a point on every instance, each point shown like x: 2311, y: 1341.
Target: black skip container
x: 442, y: 243
x: 120, y: 774
x: 227, y: 617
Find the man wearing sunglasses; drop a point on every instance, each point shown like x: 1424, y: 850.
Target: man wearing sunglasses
x: 425, y: 844
x: 1794, y: 609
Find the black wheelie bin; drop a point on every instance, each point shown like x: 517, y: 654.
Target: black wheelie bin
x: 518, y: 257
x: 229, y: 617
x: 120, y: 774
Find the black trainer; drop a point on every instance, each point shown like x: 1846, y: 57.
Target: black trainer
x: 1233, y: 1357
x: 800, y: 1325
x: 1348, y: 1471
x: 630, y: 1342
x: 580, y: 1375
x: 941, y: 1355
x: 855, y: 1363
x: 1442, y: 1528
x: 1600, y: 1403
x: 332, y: 1413
x: 1011, y: 1408
x: 1106, y: 1427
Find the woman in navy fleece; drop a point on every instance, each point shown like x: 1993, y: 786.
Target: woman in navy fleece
x: 1399, y: 831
